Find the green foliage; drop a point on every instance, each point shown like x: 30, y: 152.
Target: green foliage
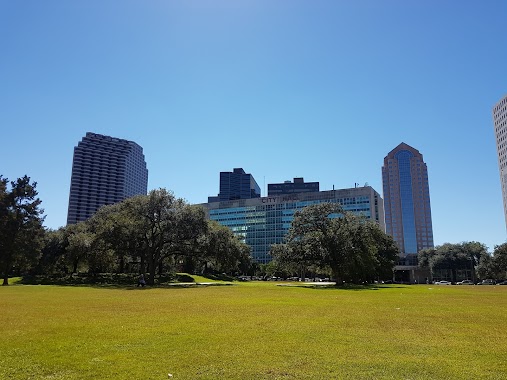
x: 463, y: 256
x: 352, y: 248
x: 223, y: 252
x: 151, y: 234
x: 52, y: 259
x: 21, y: 230
x: 499, y: 261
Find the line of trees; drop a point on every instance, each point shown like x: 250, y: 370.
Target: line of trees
x: 449, y: 260
x: 154, y: 234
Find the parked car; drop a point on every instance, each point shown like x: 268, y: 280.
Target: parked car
x: 465, y: 282
x: 502, y: 283
x: 442, y: 283
x: 487, y: 281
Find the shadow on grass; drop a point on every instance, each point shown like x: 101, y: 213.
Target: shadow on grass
x: 126, y: 282
x: 352, y: 287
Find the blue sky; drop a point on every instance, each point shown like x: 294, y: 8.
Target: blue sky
x: 315, y: 89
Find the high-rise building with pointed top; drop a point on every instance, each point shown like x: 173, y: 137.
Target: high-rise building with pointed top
x: 500, y: 124
x: 105, y: 170
x: 407, y: 202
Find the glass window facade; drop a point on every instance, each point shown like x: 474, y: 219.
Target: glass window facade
x: 407, y: 203
x: 236, y: 185
x: 407, y: 200
x: 265, y: 221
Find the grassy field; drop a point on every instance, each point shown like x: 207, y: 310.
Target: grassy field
x: 253, y: 331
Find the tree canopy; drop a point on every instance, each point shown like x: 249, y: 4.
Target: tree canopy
x: 152, y: 234
x: 353, y: 248
x: 21, y: 229
x: 453, y: 257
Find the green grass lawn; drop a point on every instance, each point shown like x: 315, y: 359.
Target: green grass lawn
x: 253, y: 331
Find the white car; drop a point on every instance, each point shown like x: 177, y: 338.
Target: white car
x: 465, y: 282
x: 442, y: 283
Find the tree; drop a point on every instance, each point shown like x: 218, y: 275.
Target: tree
x: 79, y: 244
x: 223, y: 252
x: 485, y: 268
x: 115, y: 232
x: 448, y: 259
x: 165, y: 225
x: 500, y: 260
x: 21, y: 229
x: 52, y: 259
x: 351, y: 247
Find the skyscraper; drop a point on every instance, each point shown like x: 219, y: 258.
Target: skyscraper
x: 407, y: 202
x: 105, y: 170
x: 500, y: 124
x: 236, y: 185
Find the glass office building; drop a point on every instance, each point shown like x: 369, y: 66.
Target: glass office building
x: 407, y: 202
x: 236, y: 185
x: 261, y: 222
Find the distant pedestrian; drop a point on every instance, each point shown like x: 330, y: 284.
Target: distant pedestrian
x: 141, y: 281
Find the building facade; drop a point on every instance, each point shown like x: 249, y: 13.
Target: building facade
x: 298, y: 186
x: 105, y: 170
x: 500, y: 125
x: 261, y: 222
x: 236, y: 185
x: 407, y: 203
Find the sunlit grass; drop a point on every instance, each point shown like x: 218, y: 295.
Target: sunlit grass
x: 253, y: 331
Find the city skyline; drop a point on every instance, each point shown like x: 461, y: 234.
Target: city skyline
x: 319, y: 90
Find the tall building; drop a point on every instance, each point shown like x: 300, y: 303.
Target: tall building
x: 298, y: 186
x: 407, y: 202
x: 236, y: 185
x: 261, y: 222
x: 105, y: 170
x: 500, y: 124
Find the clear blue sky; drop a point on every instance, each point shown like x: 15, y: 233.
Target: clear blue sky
x: 315, y: 89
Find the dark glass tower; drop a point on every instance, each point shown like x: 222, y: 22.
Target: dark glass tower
x: 407, y: 201
x: 105, y: 170
x: 236, y: 185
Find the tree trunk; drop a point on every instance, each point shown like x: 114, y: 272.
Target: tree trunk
x: 142, y: 268
x: 337, y: 277
x: 151, y: 280
x: 121, y: 268
x: 152, y: 266
x: 5, y: 269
